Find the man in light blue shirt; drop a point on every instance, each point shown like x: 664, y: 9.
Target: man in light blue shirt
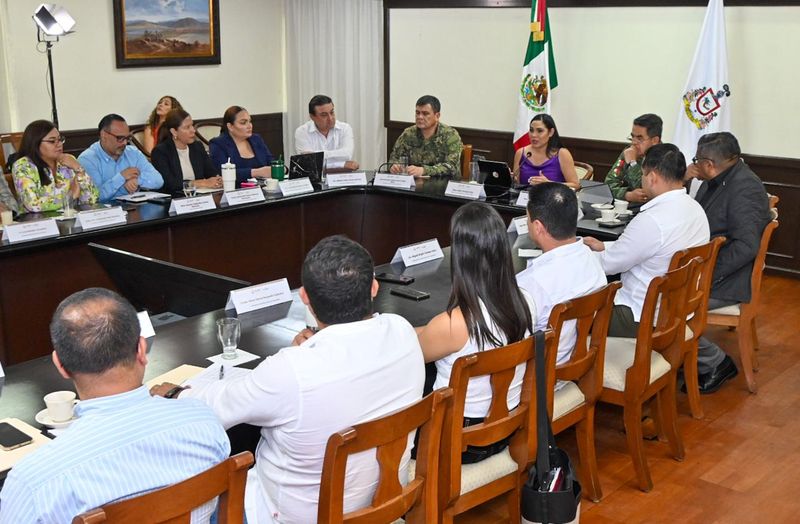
x: 115, y: 167
x: 124, y: 442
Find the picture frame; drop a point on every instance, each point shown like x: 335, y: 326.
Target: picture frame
x: 155, y: 34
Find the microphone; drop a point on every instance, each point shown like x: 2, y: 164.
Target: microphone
x: 385, y: 164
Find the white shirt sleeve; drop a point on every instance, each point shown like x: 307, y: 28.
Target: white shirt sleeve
x: 302, y: 142
x: 640, y: 241
x: 336, y: 158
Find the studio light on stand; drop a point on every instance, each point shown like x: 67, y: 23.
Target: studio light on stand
x: 52, y: 22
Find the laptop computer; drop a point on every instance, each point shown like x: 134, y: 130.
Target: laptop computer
x: 496, y: 177
x: 307, y: 165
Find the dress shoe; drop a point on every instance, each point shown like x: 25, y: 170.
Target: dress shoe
x: 713, y: 380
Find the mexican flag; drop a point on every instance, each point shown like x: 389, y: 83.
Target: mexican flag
x: 538, y: 74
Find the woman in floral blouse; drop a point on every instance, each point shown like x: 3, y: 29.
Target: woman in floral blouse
x: 44, y: 175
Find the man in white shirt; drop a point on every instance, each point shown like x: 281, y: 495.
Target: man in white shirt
x: 670, y: 221
x: 567, y: 269
x: 357, y: 367
x: 324, y: 133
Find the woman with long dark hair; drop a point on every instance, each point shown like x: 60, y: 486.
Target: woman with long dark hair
x: 44, y: 175
x: 486, y: 309
x: 545, y: 159
x: 157, y: 116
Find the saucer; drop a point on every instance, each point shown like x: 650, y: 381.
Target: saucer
x: 603, y: 206
x: 44, y: 419
x: 608, y: 223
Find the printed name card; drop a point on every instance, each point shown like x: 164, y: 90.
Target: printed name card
x: 298, y: 186
x: 418, y: 253
x: 519, y: 225
x: 259, y: 296
x: 464, y: 190
x: 33, y: 230
x: 97, y: 218
x: 522, y: 199
x: 146, y: 329
x: 184, y: 206
x: 393, y: 181
x: 242, y: 196
x: 347, y: 179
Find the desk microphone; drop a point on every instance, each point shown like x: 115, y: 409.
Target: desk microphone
x: 383, y: 166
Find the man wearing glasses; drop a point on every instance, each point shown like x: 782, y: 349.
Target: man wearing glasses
x: 625, y: 176
x: 737, y: 208
x: 115, y: 167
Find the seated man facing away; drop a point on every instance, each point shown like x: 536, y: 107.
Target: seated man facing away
x: 324, y: 133
x: 670, y: 221
x: 117, y: 168
x: 625, y: 176
x: 429, y: 147
x: 737, y: 208
x: 358, y: 367
x: 568, y: 268
x: 124, y: 442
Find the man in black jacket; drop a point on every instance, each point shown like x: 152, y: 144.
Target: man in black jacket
x: 737, y: 208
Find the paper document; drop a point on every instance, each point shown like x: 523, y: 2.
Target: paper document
x: 211, y: 374
x: 142, y: 196
x: 179, y: 375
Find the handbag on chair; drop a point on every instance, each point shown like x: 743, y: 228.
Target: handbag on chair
x: 552, y: 493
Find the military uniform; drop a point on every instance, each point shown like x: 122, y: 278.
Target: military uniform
x: 624, y: 177
x: 439, y: 155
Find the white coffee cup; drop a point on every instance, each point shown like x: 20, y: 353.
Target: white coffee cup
x: 607, y: 215
x: 60, y: 405
x: 272, y: 184
x: 620, y: 206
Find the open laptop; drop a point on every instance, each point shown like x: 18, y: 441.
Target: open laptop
x: 496, y: 177
x: 307, y: 165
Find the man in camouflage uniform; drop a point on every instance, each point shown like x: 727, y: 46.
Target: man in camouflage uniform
x: 432, y: 148
x: 625, y: 177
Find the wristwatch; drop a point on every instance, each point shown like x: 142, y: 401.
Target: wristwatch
x: 174, y: 392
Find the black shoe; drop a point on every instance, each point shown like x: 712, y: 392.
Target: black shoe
x: 712, y: 381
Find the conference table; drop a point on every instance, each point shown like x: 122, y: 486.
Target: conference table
x: 256, y: 242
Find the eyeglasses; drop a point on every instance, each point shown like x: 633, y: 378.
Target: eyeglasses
x: 61, y: 139
x: 121, y: 139
x: 637, y: 139
x: 698, y: 159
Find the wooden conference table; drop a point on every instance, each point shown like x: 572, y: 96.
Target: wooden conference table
x: 252, y: 242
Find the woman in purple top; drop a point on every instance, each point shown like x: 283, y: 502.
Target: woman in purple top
x: 544, y: 160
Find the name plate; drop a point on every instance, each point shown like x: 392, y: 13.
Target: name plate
x: 97, y: 218
x: 464, y: 190
x: 259, y: 296
x: 33, y: 230
x: 298, y: 186
x: 519, y: 225
x: 522, y: 199
x: 393, y: 181
x: 184, y: 206
x: 146, y: 329
x: 347, y: 179
x: 418, y: 253
x: 242, y: 196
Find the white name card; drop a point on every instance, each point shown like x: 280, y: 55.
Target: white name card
x: 242, y: 196
x: 33, y: 230
x: 522, y: 199
x: 184, y: 206
x: 146, y: 329
x: 97, y: 218
x: 418, y: 253
x: 519, y: 225
x: 259, y: 296
x: 347, y: 179
x: 393, y: 181
x: 298, y: 186
x: 464, y: 190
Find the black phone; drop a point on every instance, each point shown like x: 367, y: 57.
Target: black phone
x: 413, y: 294
x: 394, y: 279
x: 12, y: 438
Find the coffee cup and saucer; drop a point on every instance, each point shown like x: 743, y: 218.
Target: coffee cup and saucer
x: 608, y: 218
x: 60, y: 410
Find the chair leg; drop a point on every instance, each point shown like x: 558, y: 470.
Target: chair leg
x: 692, y: 383
x: 666, y: 399
x: 746, y: 354
x: 514, y: 501
x: 755, y: 343
x: 584, y: 431
x: 633, y: 430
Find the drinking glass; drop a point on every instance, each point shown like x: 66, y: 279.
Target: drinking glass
x: 474, y: 172
x: 228, y: 331
x: 68, y: 206
x: 189, y: 188
x: 403, y: 161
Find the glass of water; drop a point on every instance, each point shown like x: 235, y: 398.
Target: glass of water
x: 403, y: 161
x: 228, y: 331
x: 189, y: 188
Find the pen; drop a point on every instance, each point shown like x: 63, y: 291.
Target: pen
x: 221, y: 372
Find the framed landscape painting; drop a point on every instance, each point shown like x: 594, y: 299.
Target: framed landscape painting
x: 166, y: 32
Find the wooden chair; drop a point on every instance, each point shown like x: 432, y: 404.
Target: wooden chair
x: 462, y: 487
x: 573, y: 403
x: 466, y: 158
x: 743, y: 316
x: 206, y: 131
x: 696, y: 313
x: 9, y: 143
x: 584, y: 171
x: 636, y: 370
x: 389, y: 434
x: 137, y: 139
x: 175, y: 503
